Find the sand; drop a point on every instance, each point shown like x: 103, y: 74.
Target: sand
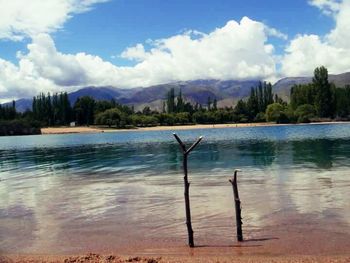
x: 285, y: 241
x: 97, y: 129
x: 113, y: 258
x: 307, y: 245
x: 64, y: 130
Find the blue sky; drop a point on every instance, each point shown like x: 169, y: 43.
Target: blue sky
x: 111, y: 27
x: 67, y: 44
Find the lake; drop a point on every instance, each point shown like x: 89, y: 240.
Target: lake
x: 107, y: 191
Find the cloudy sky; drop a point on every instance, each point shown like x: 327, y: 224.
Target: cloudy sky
x: 61, y: 45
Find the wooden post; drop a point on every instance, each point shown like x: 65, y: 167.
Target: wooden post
x: 239, y: 223
x: 187, y: 186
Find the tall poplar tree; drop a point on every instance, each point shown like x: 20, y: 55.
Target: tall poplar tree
x: 323, y: 99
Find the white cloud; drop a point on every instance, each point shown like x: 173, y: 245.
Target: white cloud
x: 136, y: 53
x: 234, y: 51
x: 21, y: 81
x: 328, y: 7
x: 237, y: 50
x: 306, y: 52
x: 47, y: 62
x: 274, y: 32
x: 20, y: 19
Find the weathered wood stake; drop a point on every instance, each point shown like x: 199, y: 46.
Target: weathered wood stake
x: 239, y: 223
x: 187, y: 186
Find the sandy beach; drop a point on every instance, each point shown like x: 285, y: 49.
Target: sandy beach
x: 113, y: 258
x: 67, y: 130
x: 289, y: 239
x: 96, y: 129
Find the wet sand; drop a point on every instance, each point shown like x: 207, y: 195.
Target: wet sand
x: 289, y: 238
x: 97, y: 129
x: 111, y: 258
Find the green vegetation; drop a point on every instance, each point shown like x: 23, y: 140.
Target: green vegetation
x: 19, y: 127
x: 14, y: 123
x: 317, y: 101
x: 275, y: 112
x: 52, y: 110
x: 320, y: 99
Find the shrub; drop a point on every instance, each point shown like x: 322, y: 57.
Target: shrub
x: 19, y: 127
x: 274, y: 111
x: 260, y: 117
x: 304, y: 113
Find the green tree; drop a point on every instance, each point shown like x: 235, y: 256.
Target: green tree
x: 171, y: 101
x: 323, y: 99
x: 215, y: 104
x: 302, y: 94
x: 241, y: 111
x: 260, y: 117
x: 84, y: 110
x: 274, y: 112
x: 180, y: 105
x: 146, y: 110
x: 182, y: 117
x: 342, y: 102
x: 304, y: 113
x: 166, y: 119
x: 209, y: 102
x: 253, y: 104
x: 110, y: 117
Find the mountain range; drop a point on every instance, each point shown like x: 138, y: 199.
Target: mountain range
x: 226, y: 92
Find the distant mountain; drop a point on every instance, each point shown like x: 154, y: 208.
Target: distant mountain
x: 340, y: 80
x: 196, y: 91
x: 283, y: 86
x: 227, y: 92
x: 102, y: 93
x: 22, y: 104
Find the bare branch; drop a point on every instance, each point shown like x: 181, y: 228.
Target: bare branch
x: 182, y: 145
x: 194, y: 145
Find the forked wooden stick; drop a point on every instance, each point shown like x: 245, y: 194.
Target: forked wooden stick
x: 187, y: 186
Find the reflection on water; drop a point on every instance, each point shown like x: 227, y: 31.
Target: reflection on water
x: 69, y: 193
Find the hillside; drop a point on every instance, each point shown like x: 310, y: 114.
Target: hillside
x: 227, y: 92
x: 197, y: 91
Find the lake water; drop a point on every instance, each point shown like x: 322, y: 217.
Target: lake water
x: 71, y: 193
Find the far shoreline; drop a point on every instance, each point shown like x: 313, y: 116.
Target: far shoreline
x: 98, y: 129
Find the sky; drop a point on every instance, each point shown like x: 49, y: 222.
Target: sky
x: 63, y: 45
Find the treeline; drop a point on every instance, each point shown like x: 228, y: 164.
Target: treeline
x: 52, y: 110
x: 8, y: 112
x: 322, y: 98
x: 316, y: 101
x: 14, y: 123
x: 254, y: 108
x: 56, y: 110
x: 19, y: 127
x: 177, y: 111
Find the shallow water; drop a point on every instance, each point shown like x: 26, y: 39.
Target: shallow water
x: 71, y: 193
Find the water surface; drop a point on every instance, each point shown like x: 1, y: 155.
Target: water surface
x: 70, y: 193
